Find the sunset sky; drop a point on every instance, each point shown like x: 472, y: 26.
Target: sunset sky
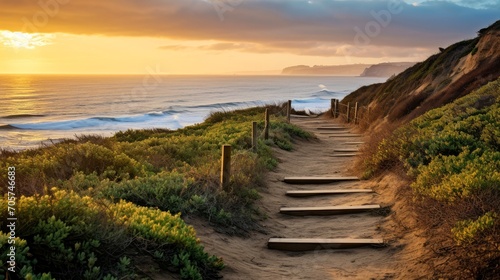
x: 226, y: 36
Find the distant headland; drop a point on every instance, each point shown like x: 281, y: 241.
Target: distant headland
x: 365, y: 70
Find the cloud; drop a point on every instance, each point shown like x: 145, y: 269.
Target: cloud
x: 20, y: 40
x: 174, y: 47
x: 316, y: 27
x: 311, y: 49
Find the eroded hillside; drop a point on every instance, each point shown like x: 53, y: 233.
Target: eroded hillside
x: 454, y: 72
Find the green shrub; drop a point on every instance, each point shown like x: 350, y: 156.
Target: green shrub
x: 452, y: 155
x: 465, y: 231
x: 462, y: 127
x: 474, y: 51
x: 98, y: 213
x: 79, y: 237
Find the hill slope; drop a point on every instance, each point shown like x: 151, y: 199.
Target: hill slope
x: 442, y: 78
x: 447, y: 157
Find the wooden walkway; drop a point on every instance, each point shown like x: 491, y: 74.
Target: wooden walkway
x: 318, y: 180
x: 308, y: 244
x: 328, y: 210
x: 306, y: 193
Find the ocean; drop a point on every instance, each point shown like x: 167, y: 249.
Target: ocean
x: 41, y: 109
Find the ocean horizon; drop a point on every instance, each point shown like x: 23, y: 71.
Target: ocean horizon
x: 37, y: 109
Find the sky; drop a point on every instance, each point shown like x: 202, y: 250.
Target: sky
x: 227, y: 36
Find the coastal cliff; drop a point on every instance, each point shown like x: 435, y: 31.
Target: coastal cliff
x: 334, y: 70
x: 364, y: 70
x: 450, y: 74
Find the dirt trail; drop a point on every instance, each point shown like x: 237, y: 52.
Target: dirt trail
x: 249, y: 258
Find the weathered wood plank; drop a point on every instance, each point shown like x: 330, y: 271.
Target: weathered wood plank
x: 310, y: 244
x: 332, y: 132
x: 327, y: 210
x: 346, y: 150
x: 346, y: 135
x: 318, y: 180
x: 299, y: 116
x: 307, y: 193
x: 332, y: 128
x: 354, y: 143
x: 345, y: 155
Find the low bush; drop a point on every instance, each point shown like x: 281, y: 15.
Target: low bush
x: 66, y: 236
x: 452, y: 155
x: 114, y: 196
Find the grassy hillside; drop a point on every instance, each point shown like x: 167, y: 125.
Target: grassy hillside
x: 452, y: 73
x: 94, y: 208
x: 452, y: 155
x: 439, y: 122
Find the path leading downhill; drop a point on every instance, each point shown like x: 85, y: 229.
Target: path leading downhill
x: 249, y: 258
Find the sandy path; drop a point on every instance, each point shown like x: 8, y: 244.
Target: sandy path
x: 249, y: 258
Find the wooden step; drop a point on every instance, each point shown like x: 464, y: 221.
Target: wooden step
x: 310, y: 244
x: 332, y: 128
x: 300, y: 116
x: 346, y: 150
x: 346, y: 135
x: 332, y: 132
x: 354, y: 143
x: 317, y: 180
x: 345, y: 155
x: 327, y: 210
x: 306, y: 193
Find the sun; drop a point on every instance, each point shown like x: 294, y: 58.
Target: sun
x: 21, y: 40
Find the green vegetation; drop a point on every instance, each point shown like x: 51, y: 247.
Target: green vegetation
x: 64, y: 234
x: 89, y: 207
x: 474, y: 51
x: 452, y: 155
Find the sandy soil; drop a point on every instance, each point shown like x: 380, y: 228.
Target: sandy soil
x: 249, y: 258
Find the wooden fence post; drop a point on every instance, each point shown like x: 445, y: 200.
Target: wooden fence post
x: 254, y: 137
x: 266, y: 125
x: 288, y: 111
x: 332, y: 107
x: 337, y: 108
x: 348, y: 109
x: 225, y: 169
x: 356, y: 113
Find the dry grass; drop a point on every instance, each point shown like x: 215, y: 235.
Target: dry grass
x: 363, y: 164
x: 478, y: 259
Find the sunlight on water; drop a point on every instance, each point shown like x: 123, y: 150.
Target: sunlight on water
x: 37, y: 107
x: 18, y: 97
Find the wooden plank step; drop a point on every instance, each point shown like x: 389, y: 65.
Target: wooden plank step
x: 332, y: 128
x: 345, y: 155
x: 300, y: 116
x: 354, y: 143
x: 306, y: 193
x: 310, y: 244
x: 346, y: 135
x: 332, y: 132
x: 317, y: 180
x: 327, y: 210
x: 346, y: 150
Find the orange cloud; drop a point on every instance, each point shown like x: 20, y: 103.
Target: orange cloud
x: 300, y: 27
